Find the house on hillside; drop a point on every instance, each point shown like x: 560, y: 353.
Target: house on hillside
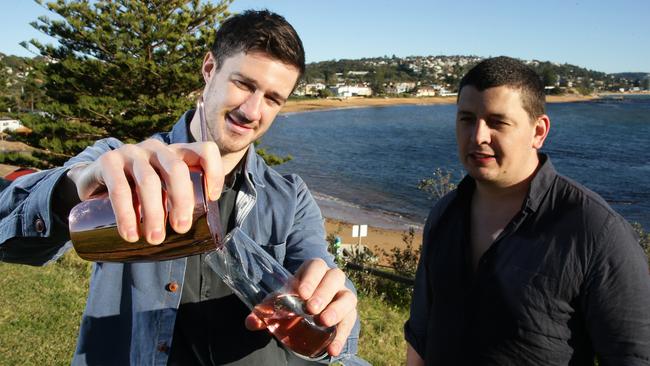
x: 400, y: 88
x: 8, y: 124
x: 347, y: 91
x: 313, y: 88
x: 425, y: 91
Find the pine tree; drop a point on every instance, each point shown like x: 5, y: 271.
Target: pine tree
x: 122, y: 68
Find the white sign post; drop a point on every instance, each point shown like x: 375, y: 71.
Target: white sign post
x: 359, y: 231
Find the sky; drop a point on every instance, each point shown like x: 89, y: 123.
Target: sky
x: 608, y: 36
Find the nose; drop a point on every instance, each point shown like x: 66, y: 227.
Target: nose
x: 252, y: 107
x: 481, y: 133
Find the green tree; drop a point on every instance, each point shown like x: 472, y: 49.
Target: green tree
x: 5, y: 99
x: 122, y: 68
x: 549, y: 77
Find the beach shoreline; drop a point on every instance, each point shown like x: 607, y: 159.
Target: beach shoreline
x: 316, y: 104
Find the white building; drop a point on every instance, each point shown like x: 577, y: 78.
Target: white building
x: 312, y: 89
x: 425, y: 91
x: 400, y: 88
x: 7, y: 124
x: 347, y: 91
x: 357, y: 73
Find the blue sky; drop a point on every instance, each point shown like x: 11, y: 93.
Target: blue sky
x: 608, y: 36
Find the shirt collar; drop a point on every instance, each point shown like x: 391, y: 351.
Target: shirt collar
x: 541, y: 183
x: 253, y: 166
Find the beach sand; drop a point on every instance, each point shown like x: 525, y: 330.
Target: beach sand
x: 381, y: 238
x: 304, y: 105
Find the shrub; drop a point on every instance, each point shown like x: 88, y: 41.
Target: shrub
x: 438, y: 185
x: 644, y: 239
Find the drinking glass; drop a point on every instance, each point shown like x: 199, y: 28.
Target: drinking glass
x: 268, y: 289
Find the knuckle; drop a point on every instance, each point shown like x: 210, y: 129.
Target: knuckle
x: 177, y: 167
x: 150, y: 143
x: 150, y: 181
x: 110, y: 157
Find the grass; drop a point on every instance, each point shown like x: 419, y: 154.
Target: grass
x: 41, y: 307
x: 40, y: 311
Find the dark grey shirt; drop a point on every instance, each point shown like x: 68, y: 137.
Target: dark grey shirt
x: 564, y: 280
x: 208, y: 306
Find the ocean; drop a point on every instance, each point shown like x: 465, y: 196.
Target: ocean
x: 363, y: 164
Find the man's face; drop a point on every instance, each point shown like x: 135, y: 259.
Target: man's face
x: 497, y: 141
x: 243, y: 97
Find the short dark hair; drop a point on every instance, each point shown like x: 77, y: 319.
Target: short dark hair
x: 507, y: 71
x: 259, y: 31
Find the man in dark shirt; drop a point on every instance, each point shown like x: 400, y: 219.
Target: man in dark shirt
x: 520, y: 265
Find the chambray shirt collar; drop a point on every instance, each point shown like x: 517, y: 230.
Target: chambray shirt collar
x: 180, y: 133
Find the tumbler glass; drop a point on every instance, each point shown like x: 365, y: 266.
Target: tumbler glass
x: 268, y: 290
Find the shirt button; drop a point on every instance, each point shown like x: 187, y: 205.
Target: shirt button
x: 163, y: 347
x: 39, y: 225
x: 172, y: 286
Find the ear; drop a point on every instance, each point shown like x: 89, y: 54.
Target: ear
x: 209, y: 66
x: 542, y: 126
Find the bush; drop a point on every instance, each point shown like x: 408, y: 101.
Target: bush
x: 644, y: 239
x: 438, y: 185
x: 401, y: 261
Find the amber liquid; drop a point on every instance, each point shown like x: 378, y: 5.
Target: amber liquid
x: 285, y: 318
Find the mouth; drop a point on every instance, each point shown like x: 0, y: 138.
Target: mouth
x: 238, y: 124
x: 481, y: 157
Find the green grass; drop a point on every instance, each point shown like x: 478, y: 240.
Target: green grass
x: 382, y: 340
x: 40, y: 310
x: 41, y: 307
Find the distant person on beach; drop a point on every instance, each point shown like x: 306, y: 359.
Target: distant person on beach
x: 520, y: 265
x: 178, y: 312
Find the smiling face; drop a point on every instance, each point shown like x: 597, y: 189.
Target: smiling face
x: 497, y: 140
x: 243, y: 97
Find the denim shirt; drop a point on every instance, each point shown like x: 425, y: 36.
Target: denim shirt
x: 131, y: 309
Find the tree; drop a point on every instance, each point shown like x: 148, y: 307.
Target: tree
x: 122, y: 68
x: 5, y: 99
x: 549, y: 77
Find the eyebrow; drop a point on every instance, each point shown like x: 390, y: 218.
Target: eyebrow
x: 491, y: 115
x: 271, y: 93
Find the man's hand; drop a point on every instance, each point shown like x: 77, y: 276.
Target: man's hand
x: 144, y: 168
x: 324, y: 291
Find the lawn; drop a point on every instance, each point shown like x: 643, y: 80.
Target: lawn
x: 40, y: 310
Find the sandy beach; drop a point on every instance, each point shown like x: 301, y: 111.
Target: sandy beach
x: 381, y: 238
x: 304, y: 105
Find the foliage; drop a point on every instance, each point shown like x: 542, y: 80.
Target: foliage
x: 438, y: 185
x: 404, y: 260
x: 447, y: 70
x: 271, y: 159
x: 325, y: 93
x: 400, y: 261
x: 19, y: 159
x: 644, y: 239
x: 331, y: 246
x: 123, y: 69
